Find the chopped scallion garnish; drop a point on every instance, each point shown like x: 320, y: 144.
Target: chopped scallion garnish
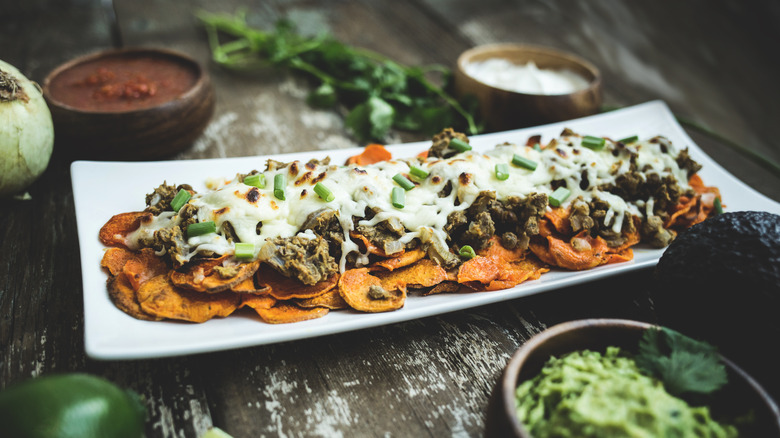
x: 502, y: 171
x: 595, y: 143
x: 280, y: 182
x: 467, y: 252
x: 201, y: 228
x: 398, y: 197
x: 558, y: 196
x: 244, y: 250
x: 517, y: 160
x: 403, y: 181
x: 180, y: 199
x: 628, y: 140
x: 537, y: 147
x: 718, y: 206
x: 324, y: 192
x: 459, y: 145
x: 256, y: 180
x: 418, y: 172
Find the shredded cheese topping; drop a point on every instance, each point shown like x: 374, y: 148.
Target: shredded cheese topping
x: 257, y: 215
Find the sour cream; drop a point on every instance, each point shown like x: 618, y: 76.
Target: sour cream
x: 525, y: 78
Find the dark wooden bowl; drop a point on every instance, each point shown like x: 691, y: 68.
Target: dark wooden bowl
x: 503, y: 110
x: 741, y: 394
x: 148, y: 133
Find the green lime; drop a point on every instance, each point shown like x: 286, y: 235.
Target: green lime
x: 70, y: 405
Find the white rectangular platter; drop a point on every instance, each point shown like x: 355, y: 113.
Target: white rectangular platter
x: 103, y: 189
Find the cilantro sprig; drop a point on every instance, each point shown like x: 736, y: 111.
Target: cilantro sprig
x: 683, y: 364
x: 378, y: 92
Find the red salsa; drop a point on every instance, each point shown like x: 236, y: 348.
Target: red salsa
x: 123, y: 82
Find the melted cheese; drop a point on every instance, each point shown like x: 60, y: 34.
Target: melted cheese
x: 257, y: 215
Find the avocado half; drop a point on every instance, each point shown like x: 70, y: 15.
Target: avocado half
x: 720, y: 281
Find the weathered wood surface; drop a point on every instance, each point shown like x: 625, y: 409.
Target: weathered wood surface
x: 713, y: 62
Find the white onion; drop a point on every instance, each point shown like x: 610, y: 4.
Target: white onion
x: 26, y: 131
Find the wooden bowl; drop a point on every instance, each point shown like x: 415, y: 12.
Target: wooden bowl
x: 129, y: 104
x: 502, y: 109
x: 741, y: 393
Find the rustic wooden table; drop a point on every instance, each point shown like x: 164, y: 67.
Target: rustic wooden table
x: 713, y: 62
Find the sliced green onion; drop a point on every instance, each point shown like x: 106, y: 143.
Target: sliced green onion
x: 517, y: 160
x: 180, y: 199
x: 537, y: 147
x: 257, y: 180
x: 403, y: 181
x: 628, y: 140
x: 280, y: 182
x: 718, y: 206
x: 558, y: 196
x: 467, y: 252
x: 502, y: 171
x: 418, y: 172
x: 324, y: 192
x: 595, y: 143
x: 459, y: 145
x: 398, y: 197
x: 201, y: 228
x: 245, y: 250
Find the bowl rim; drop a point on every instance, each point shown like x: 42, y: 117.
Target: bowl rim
x: 594, y: 83
x: 202, y: 81
x: 509, y: 378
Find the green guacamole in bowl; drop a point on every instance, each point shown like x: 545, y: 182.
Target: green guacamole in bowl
x: 586, y: 393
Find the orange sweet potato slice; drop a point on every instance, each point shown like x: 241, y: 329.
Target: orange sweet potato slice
x: 373, y: 153
x: 203, y: 276
x: 143, y: 266
x: 285, y: 288
x: 405, y: 259
x: 424, y: 273
x: 479, y: 269
x: 113, y: 232
x: 248, y: 286
x: 330, y: 300
x: 159, y: 297
x: 115, y: 258
x: 257, y: 301
x: 122, y: 294
x: 283, y: 313
x: 444, y: 287
x: 364, y: 292
x: 592, y: 251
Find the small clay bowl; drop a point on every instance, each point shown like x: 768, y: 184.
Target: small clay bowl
x: 740, y: 394
x: 503, y: 110
x: 129, y: 104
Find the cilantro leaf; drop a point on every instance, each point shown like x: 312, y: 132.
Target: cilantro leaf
x: 683, y: 364
x: 371, y: 119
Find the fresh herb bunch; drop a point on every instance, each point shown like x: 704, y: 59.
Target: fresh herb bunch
x: 685, y: 365
x: 378, y: 92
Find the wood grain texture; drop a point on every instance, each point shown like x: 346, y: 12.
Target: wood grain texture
x: 432, y: 377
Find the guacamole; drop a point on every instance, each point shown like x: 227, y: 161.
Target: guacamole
x: 590, y: 394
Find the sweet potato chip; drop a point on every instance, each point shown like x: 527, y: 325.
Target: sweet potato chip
x: 204, y: 277
x: 115, y: 258
x: 444, y: 287
x: 364, y: 292
x: 143, y: 266
x: 330, y: 300
x: 159, y: 297
x: 122, y: 294
x: 283, y: 313
x: 480, y: 269
x: 424, y: 273
x: 257, y: 301
x: 285, y: 288
x: 405, y: 259
x: 114, y: 231
x: 248, y: 286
